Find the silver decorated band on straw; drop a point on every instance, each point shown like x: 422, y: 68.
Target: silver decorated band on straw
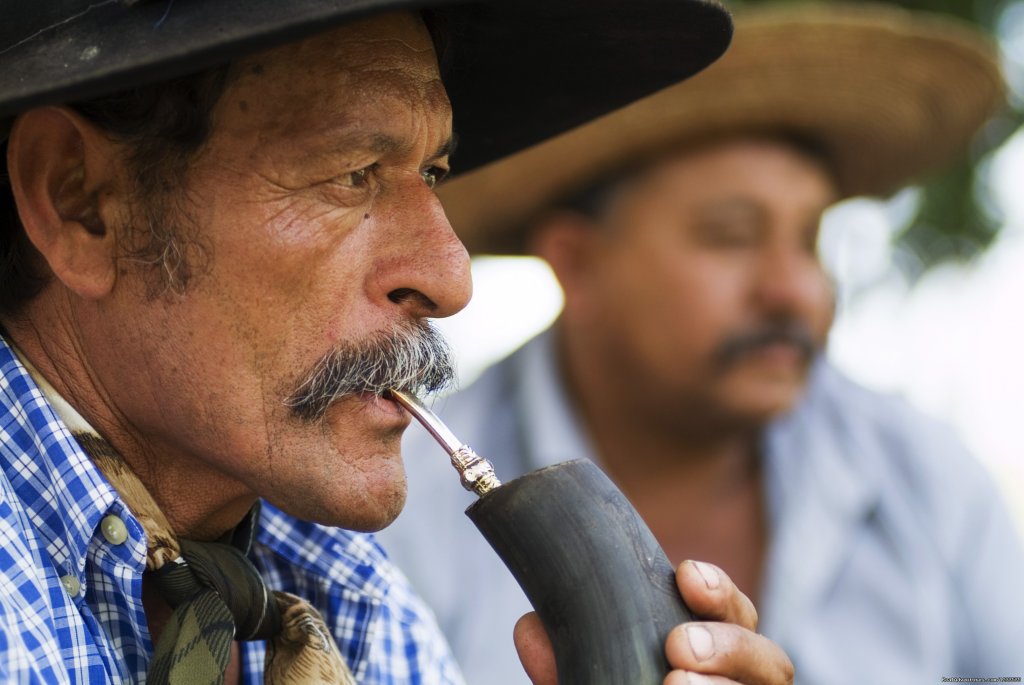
x: 475, y: 472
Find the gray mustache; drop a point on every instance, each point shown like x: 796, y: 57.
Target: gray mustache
x: 414, y: 359
x: 738, y: 346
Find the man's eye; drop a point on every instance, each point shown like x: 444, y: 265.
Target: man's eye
x: 357, y: 179
x: 433, y: 175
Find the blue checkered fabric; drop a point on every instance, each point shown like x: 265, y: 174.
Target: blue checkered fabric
x: 71, y: 602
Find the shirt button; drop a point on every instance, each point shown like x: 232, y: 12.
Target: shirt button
x: 71, y: 584
x: 114, y: 530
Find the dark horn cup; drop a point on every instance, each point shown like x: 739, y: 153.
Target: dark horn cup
x: 593, y: 571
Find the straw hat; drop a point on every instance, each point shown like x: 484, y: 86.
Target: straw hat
x: 520, y: 70
x: 888, y: 95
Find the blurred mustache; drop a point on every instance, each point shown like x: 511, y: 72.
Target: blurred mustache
x: 792, y: 333
x: 414, y: 358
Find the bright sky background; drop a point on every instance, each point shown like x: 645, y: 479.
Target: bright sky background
x: 953, y: 344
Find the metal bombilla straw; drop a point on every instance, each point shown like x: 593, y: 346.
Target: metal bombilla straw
x: 593, y: 571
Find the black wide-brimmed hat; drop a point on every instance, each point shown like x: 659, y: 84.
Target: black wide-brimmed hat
x: 519, y: 70
x: 887, y: 94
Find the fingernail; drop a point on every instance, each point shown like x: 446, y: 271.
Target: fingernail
x: 701, y: 643
x: 697, y: 679
x: 709, y: 573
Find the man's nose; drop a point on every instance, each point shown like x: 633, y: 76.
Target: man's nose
x: 790, y: 280
x: 431, y: 273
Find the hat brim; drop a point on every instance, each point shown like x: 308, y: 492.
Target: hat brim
x: 521, y: 70
x: 888, y: 95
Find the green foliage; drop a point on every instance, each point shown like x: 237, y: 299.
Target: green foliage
x: 951, y: 223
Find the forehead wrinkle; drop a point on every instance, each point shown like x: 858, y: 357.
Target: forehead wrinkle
x: 335, y: 97
x: 361, y: 63
x: 347, y: 103
x: 338, y: 140
x: 423, y: 92
x: 358, y: 44
x: 345, y: 130
x: 370, y: 50
x: 373, y: 63
x: 340, y: 123
x: 333, y: 143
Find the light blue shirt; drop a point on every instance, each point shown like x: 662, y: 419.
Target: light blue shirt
x: 892, y: 557
x: 71, y: 599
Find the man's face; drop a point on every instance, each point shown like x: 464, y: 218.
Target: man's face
x: 317, y: 228
x: 705, y: 289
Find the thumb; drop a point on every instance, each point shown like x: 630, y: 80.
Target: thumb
x: 535, y: 650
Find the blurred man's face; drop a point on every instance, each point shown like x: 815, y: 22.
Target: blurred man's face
x: 703, y: 291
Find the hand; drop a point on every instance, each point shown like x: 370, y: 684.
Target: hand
x: 722, y: 649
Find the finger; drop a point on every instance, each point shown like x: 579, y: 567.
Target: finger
x: 711, y: 594
x: 535, y: 650
x: 729, y: 651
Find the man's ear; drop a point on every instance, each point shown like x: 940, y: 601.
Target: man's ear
x: 567, y: 241
x: 61, y: 170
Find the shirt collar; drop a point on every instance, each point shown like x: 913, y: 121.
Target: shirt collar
x: 63, y: 493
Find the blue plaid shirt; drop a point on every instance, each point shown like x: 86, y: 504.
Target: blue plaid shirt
x: 71, y: 601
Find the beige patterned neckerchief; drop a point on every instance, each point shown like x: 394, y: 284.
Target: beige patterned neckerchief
x: 216, y: 593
